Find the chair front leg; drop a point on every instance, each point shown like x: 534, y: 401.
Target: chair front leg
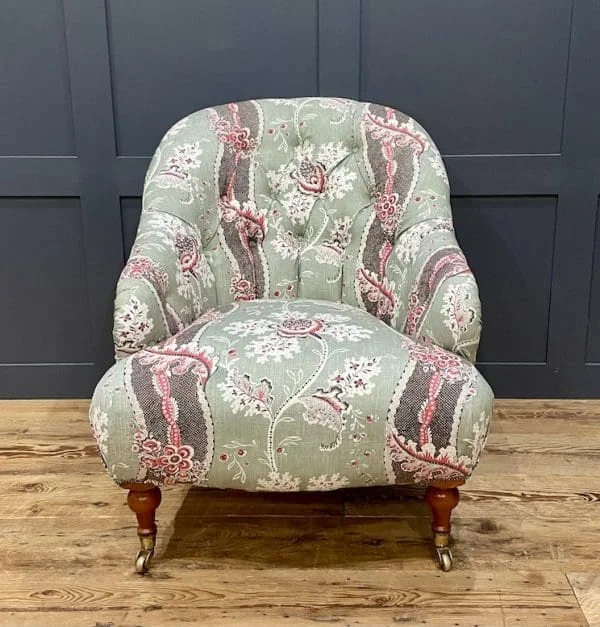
x: 143, y: 499
x: 442, y: 497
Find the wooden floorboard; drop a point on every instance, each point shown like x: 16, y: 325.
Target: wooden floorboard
x: 586, y: 586
x: 526, y: 533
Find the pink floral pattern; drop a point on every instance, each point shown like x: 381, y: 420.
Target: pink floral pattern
x: 140, y: 267
x: 310, y: 177
x: 299, y: 327
x: 171, y: 463
x: 238, y: 139
x: 433, y: 375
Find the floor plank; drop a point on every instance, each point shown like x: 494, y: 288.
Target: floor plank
x: 56, y: 494
x: 292, y: 616
x: 503, y: 500
x: 586, y: 586
x: 306, y: 542
x: 319, y: 589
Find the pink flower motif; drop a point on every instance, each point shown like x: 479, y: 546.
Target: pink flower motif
x: 241, y: 452
x: 242, y: 289
x: 176, y: 459
x: 433, y: 358
x: 233, y: 134
x: 310, y: 177
x: 386, y: 209
x: 299, y: 327
x: 172, y: 462
x: 223, y: 457
x: 187, y: 252
x: 140, y: 267
x: 239, y: 138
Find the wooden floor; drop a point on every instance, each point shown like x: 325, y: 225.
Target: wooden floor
x: 527, y: 537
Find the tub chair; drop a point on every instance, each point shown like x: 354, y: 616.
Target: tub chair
x: 295, y: 314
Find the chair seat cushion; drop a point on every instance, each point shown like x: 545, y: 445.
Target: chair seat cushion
x: 289, y: 395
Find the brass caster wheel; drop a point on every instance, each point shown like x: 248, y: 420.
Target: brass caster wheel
x: 142, y: 561
x: 145, y: 554
x: 444, y: 558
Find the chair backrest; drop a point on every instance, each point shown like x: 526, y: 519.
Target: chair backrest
x: 298, y: 197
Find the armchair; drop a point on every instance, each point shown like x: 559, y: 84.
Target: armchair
x: 296, y: 314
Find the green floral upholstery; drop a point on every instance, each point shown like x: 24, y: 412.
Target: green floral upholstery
x: 296, y: 313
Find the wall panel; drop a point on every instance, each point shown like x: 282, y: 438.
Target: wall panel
x: 189, y: 55
x: 35, y: 102
x: 484, y: 77
x: 131, y: 207
x: 592, y: 353
x: 509, y: 243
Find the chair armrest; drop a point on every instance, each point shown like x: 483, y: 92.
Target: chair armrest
x: 160, y: 290
x: 437, y: 295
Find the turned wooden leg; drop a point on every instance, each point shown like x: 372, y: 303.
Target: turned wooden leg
x: 442, y: 497
x: 143, y: 499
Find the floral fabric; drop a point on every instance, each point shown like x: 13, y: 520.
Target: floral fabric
x: 291, y: 395
x: 296, y: 312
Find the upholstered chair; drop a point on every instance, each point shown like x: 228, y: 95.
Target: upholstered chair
x: 296, y: 314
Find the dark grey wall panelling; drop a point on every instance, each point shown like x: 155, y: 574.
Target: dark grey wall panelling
x: 43, y: 279
x: 592, y: 354
x: 201, y: 54
x: 507, y: 90
x: 483, y: 77
x: 31, y: 40
x: 579, y: 186
x: 496, y: 232
x: 131, y: 208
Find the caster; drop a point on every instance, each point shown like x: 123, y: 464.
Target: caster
x: 142, y: 560
x: 444, y: 558
x: 145, y: 554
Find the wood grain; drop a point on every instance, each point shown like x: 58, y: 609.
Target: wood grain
x: 587, y: 590
x: 154, y: 616
x: 529, y: 516
x: 315, y: 588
